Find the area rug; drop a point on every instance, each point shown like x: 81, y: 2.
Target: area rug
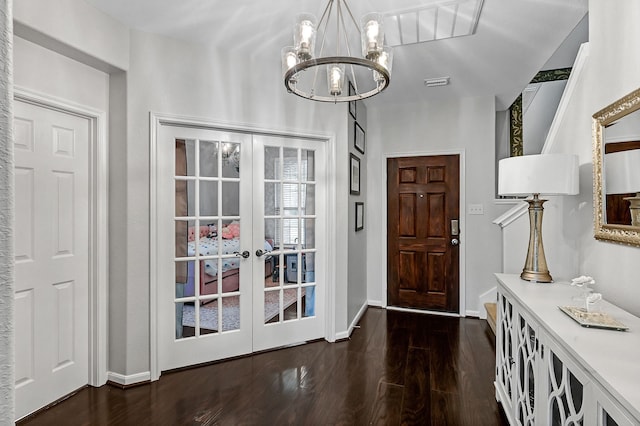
x: 231, y: 311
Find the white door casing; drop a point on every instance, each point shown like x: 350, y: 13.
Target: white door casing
x: 51, y: 253
x: 176, y: 350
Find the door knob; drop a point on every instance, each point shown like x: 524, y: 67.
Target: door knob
x: 245, y: 254
x: 260, y: 253
x: 455, y: 242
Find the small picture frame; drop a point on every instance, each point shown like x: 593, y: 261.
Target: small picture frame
x: 359, y: 216
x: 358, y: 137
x: 352, y: 104
x: 354, y: 175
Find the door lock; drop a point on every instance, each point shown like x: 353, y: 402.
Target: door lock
x: 245, y: 254
x: 455, y: 228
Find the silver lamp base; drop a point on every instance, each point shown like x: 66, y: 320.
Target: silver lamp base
x: 535, y: 267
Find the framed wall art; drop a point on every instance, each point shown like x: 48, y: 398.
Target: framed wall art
x: 359, y: 216
x: 358, y: 137
x: 352, y: 104
x: 354, y: 175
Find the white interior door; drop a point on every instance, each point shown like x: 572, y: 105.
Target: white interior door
x: 204, y: 224
x: 229, y: 283
x: 289, y: 202
x: 51, y: 255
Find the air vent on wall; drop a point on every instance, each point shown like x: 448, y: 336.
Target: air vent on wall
x: 433, y: 82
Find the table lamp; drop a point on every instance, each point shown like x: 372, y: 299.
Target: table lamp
x: 622, y: 176
x: 551, y: 174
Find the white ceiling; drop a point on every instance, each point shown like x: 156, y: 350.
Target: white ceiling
x: 514, y: 39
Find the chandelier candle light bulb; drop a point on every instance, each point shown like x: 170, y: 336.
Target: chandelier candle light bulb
x: 335, y: 77
x: 305, y: 36
x: 372, y: 35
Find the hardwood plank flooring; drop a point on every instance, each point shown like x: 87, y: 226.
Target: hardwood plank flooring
x: 397, y: 368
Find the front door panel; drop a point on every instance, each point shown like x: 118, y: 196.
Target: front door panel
x: 423, y: 200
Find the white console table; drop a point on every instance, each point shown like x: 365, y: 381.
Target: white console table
x: 552, y: 371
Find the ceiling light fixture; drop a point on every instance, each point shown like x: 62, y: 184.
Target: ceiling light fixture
x: 368, y: 75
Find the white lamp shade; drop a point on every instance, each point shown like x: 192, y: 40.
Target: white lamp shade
x: 552, y: 174
x: 622, y: 172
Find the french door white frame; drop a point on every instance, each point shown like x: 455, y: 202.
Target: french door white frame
x: 155, y: 121
x: 98, y: 223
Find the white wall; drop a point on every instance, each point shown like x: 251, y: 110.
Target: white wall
x: 43, y: 71
x: 76, y: 29
x: 172, y: 77
x: 463, y: 124
x: 7, y: 192
x: 610, y: 73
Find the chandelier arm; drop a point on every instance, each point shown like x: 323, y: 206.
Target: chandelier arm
x: 327, y: 8
x: 346, y: 41
x: 338, y: 38
x: 355, y: 23
x: 327, y: 13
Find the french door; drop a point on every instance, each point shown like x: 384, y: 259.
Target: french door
x: 240, y: 243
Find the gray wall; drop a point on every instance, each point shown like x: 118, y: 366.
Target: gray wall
x: 357, y: 295
x: 466, y: 124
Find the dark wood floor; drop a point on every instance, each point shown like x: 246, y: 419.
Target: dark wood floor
x: 397, y: 368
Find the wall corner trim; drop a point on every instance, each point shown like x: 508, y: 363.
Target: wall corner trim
x: 130, y: 379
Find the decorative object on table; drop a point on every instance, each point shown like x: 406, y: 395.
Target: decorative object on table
x: 583, y: 282
x: 552, y: 174
x: 359, y: 216
x: 370, y: 74
x: 623, y: 177
x: 593, y: 319
x: 358, y: 137
x: 354, y: 175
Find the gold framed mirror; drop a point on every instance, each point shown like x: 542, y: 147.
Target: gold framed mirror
x: 616, y: 171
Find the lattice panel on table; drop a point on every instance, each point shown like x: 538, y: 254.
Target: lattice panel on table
x: 566, y: 395
x: 526, y: 351
x: 505, y: 351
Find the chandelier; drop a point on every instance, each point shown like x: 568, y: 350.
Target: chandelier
x: 367, y: 75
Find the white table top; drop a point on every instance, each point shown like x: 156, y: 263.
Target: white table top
x: 611, y: 357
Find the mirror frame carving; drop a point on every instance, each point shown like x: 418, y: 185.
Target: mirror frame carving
x: 623, y: 234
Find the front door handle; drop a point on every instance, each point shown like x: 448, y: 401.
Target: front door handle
x: 455, y: 242
x: 245, y: 254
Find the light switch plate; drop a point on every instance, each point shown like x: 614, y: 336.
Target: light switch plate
x: 475, y: 209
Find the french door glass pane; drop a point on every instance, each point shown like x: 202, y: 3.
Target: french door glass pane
x: 208, y: 159
x: 207, y: 186
x: 289, y: 200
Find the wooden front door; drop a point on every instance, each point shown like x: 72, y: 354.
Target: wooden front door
x: 422, y: 201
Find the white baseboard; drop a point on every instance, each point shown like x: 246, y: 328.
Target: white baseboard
x: 475, y: 314
x: 343, y: 335
x: 131, y: 379
x: 359, y: 315
x: 346, y: 334
x: 375, y: 303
